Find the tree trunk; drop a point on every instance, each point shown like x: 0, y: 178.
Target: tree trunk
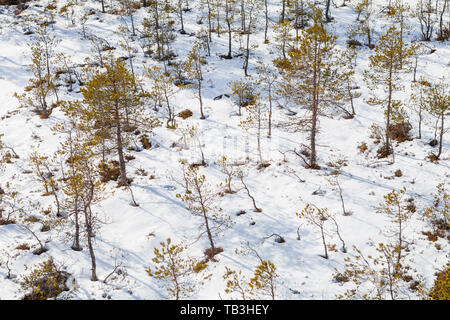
x: 441, y: 135
x: 88, y: 221
x: 205, y: 216
x: 327, y: 11
x: 181, y: 20
x: 389, y: 110
x: 315, y: 106
x: 324, y: 243
x: 441, y: 27
x: 202, y: 116
x: 123, y: 174
x: 76, y: 240
x: 269, y: 134
x: 266, y: 40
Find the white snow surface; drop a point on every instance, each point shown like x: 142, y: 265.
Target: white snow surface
x: 304, y: 274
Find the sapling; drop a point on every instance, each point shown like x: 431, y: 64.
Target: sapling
x: 200, y: 198
x: 316, y: 217
x: 175, y: 270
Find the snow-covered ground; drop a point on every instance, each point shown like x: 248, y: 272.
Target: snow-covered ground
x: 303, y: 273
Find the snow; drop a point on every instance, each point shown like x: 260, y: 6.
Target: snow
x: 277, y: 191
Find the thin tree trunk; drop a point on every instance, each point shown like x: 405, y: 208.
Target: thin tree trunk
x: 88, y: 221
x: 389, y: 110
x: 269, y: 135
x: 202, y: 116
x: 324, y: 243
x: 123, y: 174
x: 266, y: 40
x: 441, y: 135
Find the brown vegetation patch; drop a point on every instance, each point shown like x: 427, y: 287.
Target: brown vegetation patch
x: 23, y: 246
x: 209, y: 256
x: 398, y: 173
x: 146, y: 144
x: 384, y: 152
x: 109, y: 171
x: 400, y: 131
x: 5, y: 222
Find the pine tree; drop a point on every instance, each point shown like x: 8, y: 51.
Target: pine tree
x: 442, y: 6
x: 158, y: 29
x: 244, y: 92
x: 179, y: 4
x: 264, y: 279
x: 193, y: 67
x: 262, y: 285
x: 267, y: 79
x: 348, y: 90
x: 175, y: 270
x: 316, y: 217
x: 418, y: 101
x: 229, y: 171
x: 311, y: 76
x: 43, y: 170
x: 300, y: 10
x: 398, y: 12
x: 437, y: 101
x: 283, y: 37
x: 364, y: 21
x: 43, y: 83
x: 383, y: 275
x: 399, y: 215
x: 126, y: 43
x: 426, y: 14
x: 384, y: 72
x: 256, y: 115
x: 162, y: 92
x: 230, y: 10
x: 199, y: 198
x: 250, y: 18
x: 129, y: 8
x: 110, y: 102
x: 438, y: 212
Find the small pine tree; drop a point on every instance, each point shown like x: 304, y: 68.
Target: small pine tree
x: 162, y: 92
x: 45, y: 281
x: 256, y: 115
x: 229, y: 171
x: 438, y: 212
x: 441, y: 287
x: 264, y: 279
x: 267, y: 79
x: 364, y: 20
x: 43, y: 170
x: 399, y: 215
x: 193, y: 67
x: 42, y: 86
x: 311, y: 77
x: 110, y: 102
x: 243, y: 91
x: 316, y: 217
x: 438, y: 105
x: 199, y: 198
x: 385, y: 67
x: 261, y: 285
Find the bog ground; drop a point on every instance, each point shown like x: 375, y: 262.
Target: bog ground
x: 281, y: 185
